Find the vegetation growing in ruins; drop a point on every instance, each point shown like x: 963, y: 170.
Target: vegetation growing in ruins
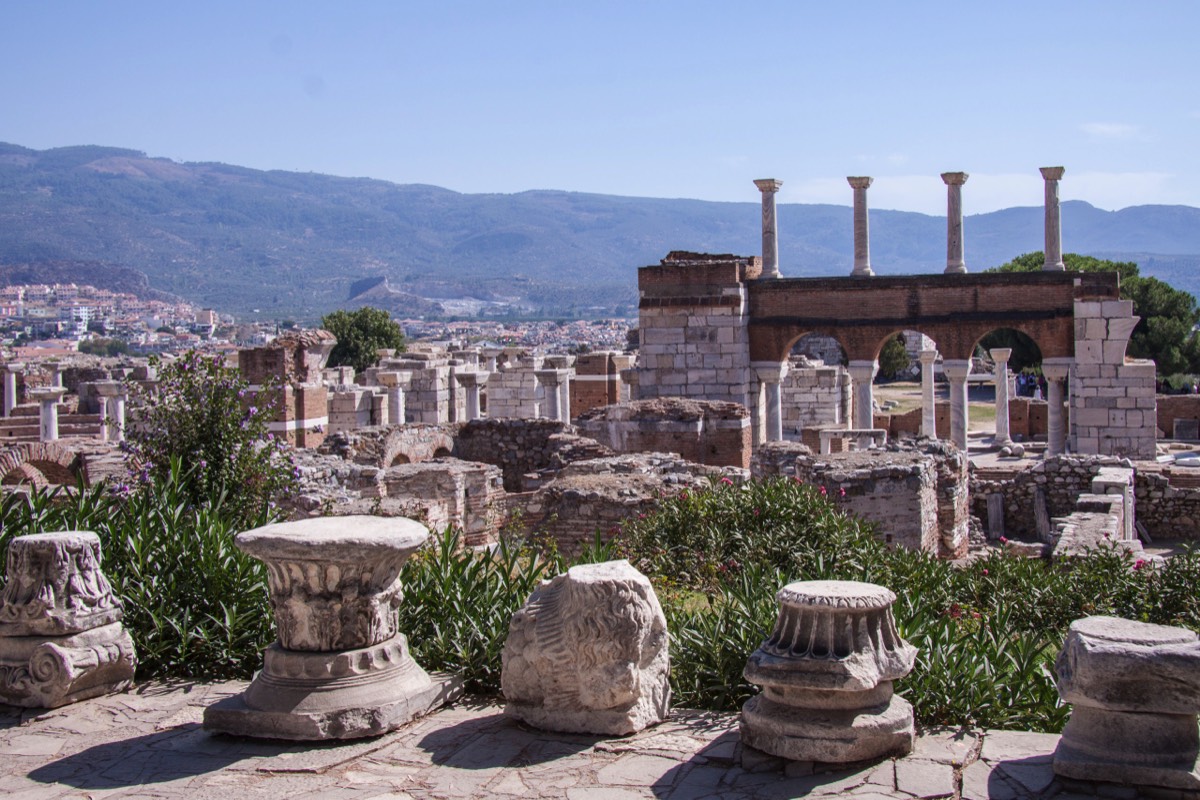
x: 1168, y: 315
x: 893, y: 358
x: 988, y: 633
x: 361, y: 335
x: 203, y: 413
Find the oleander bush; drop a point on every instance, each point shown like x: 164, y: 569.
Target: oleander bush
x: 987, y: 632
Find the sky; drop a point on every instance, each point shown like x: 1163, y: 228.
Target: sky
x: 649, y: 98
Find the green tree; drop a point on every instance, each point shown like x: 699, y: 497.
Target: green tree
x: 893, y: 358
x: 360, y: 335
x: 203, y: 416
x: 1168, y: 315
x: 104, y: 347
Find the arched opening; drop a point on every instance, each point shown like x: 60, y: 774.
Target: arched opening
x: 441, y: 452
x: 1007, y: 390
x: 815, y: 390
x: 24, y: 475
x: 818, y: 346
x: 400, y: 458
x: 900, y: 393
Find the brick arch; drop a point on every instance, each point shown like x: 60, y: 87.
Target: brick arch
x: 54, y: 463
x: 955, y: 311
x: 832, y: 334
x: 402, y: 447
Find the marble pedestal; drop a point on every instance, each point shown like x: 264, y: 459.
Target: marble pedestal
x: 827, y: 673
x: 1135, y: 694
x: 340, y: 669
x: 61, y: 637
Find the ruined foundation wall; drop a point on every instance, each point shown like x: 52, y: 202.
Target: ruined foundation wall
x: 704, y: 431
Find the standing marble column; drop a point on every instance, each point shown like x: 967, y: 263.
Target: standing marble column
x: 116, y: 405
x: 928, y: 394
x: 549, y: 379
x: 770, y: 237
x: 1001, y: 355
x: 55, y: 368
x: 107, y: 392
x: 472, y: 382
x: 48, y: 398
x: 957, y: 370
x: 862, y: 235
x: 491, y: 356
x: 862, y: 372
x: 394, y: 381
x: 1056, y: 371
x: 564, y: 364
x: 954, y: 221
x: 1054, y: 260
x: 10, y: 386
x: 771, y: 375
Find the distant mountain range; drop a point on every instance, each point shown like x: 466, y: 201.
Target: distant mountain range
x: 298, y: 245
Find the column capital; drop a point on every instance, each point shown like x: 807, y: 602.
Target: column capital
x: 770, y: 371
x: 1000, y: 354
x: 549, y: 377
x: 768, y: 184
x: 47, y: 394
x: 927, y: 356
x: 954, y: 178
x: 862, y: 369
x: 956, y: 368
x: 860, y: 182
x: 1052, y: 173
x: 1057, y: 369
x: 469, y: 379
x: 14, y: 366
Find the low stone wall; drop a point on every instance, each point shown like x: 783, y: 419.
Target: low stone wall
x: 522, y: 446
x: 705, y: 431
x: 598, y: 495
x: 773, y: 459
x: 466, y: 495
x: 897, y: 491
x: 1184, y: 407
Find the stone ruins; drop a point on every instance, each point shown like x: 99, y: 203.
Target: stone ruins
x: 588, y: 654
x: 739, y: 373
x: 61, y: 637
x: 340, y: 668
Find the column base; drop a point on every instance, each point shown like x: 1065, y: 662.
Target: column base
x: 831, y: 735
x: 1129, y: 748
x: 53, y: 671
x: 314, y: 696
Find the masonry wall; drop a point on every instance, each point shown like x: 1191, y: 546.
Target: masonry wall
x: 1171, y: 407
x: 513, y: 392
x: 468, y: 496
x: 692, y: 326
x: 597, y: 382
x: 522, y: 446
x: 706, y: 432
x: 1112, y: 397
x: 813, y: 396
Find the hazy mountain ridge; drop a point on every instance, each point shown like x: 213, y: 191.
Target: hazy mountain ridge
x: 293, y: 243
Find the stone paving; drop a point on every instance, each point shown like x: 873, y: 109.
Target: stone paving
x: 148, y: 743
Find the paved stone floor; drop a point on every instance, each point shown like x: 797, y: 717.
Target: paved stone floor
x: 149, y: 743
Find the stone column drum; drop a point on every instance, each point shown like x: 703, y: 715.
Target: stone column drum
x: 340, y: 669
x: 770, y: 235
x: 862, y: 235
x: 10, y: 386
x: 1135, y: 694
x: 1000, y: 356
x: 955, y: 263
x: 61, y: 637
x: 1053, y: 261
x: 827, y: 673
x: 928, y: 394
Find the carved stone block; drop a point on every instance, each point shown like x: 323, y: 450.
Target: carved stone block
x: 588, y: 653
x: 61, y: 639
x: 1135, y: 692
x: 827, y: 672
x: 340, y: 669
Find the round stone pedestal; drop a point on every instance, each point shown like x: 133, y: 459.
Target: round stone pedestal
x: 1135, y: 694
x: 340, y: 669
x: 827, y: 673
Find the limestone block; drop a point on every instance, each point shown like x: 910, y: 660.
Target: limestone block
x: 61, y: 638
x: 1088, y: 352
x: 1120, y: 329
x: 588, y: 653
x: 1121, y: 309
x: 1088, y: 308
x: 827, y: 673
x: 1135, y: 688
x: 1114, y: 352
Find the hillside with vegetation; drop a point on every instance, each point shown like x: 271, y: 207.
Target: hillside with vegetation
x: 293, y: 244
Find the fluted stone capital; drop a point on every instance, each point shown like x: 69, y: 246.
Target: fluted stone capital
x: 55, y: 586
x: 860, y: 182
x: 768, y: 185
x: 1052, y: 173
x: 334, y: 581
x: 955, y: 178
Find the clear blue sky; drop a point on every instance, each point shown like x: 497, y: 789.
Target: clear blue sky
x: 650, y: 98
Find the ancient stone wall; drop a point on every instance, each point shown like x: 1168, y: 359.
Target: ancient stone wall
x: 897, y: 491
x: 597, y: 381
x: 692, y: 327
x: 351, y: 409
x: 465, y: 495
x: 813, y: 396
x: 704, y: 431
x: 512, y: 393
x: 773, y: 459
x: 1112, y: 398
x: 1182, y: 407
x: 522, y: 446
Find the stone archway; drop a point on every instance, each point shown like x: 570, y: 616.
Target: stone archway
x: 38, y: 463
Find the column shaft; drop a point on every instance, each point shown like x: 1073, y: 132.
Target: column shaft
x: 957, y: 371
x: 954, y: 181
x: 928, y: 396
x: 1054, y: 261
x: 863, y: 373
x: 770, y: 238
x: 862, y: 237
x: 1001, y: 356
x: 774, y: 413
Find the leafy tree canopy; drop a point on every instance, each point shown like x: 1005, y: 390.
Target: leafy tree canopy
x: 1168, y: 315
x: 360, y: 335
x: 893, y: 358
